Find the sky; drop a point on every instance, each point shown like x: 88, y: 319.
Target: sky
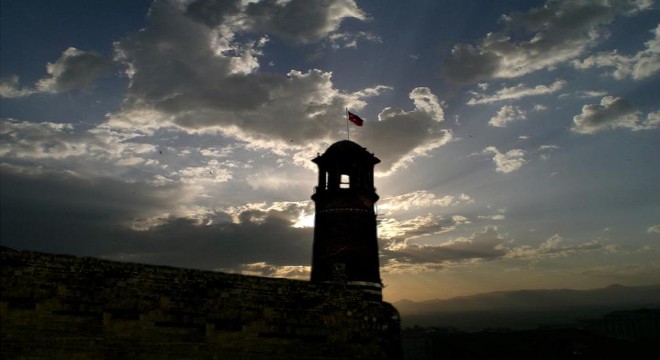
x: 519, y: 139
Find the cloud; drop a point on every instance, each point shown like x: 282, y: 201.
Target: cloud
x: 654, y: 229
x: 507, y: 114
x: 137, y: 221
x: 546, y: 150
x: 264, y: 269
x: 48, y: 140
x: 396, y: 266
x: 350, y: 40
x: 300, y: 20
x: 495, y: 217
x: 60, y: 211
x: 400, y: 136
x: 296, y: 20
x: 552, y: 247
x: 553, y: 34
x: 397, y: 233
x: 612, y: 113
x: 10, y: 88
x: 507, y: 162
x: 74, y: 70
x: 641, y: 65
x: 23, y: 139
x: 516, y: 92
x: 211, y: 53
x: 486, y: 244
x: 583, y: 94
x: 205, y: 91
x: 99, y: 151
x: 421, y: 199
x: 213, y: 79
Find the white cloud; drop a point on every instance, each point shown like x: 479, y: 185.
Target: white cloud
x: 495, y: 217
x: 556, y: 32
x: 553, y: 247
x: 546, y: 150
x: 612, y: 113
x: 652, y: 121
x: 584, y: 94
x: 30, y: 140
x: 398, y: 232
x: 641, y: 65
x: 507, y: 114
x: 654, y: 229
x: 291, y: 211
x: 350, y: 40
x: 516, y: 92
x: 272, y: 180
x: 112, y: 152
x: 507, y: 162
x: 48, y: 141
x: 422, y: 198
x: 10, y: 88
x: 283, y: 271
x: 213, y: 172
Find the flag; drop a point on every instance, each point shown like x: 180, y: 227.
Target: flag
x: 355, y: 119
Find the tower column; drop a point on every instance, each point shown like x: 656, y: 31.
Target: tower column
x: 345, y: 233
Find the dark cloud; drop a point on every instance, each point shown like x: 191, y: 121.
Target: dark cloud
x: 63, y: 213
x: 198, y: 78
x: 398, y: 136
x: 213, y: 12
x: 300, y: 20
x: 268, y: 237
x: 468, y: 64
x: 612, y: 113
x: 74, y: 70
x: 554, y: 33
x: 213, y: 81
x: 487, y: 244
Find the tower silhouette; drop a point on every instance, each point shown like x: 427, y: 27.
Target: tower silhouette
x: 345, y: 237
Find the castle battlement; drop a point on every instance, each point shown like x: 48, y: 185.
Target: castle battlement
x: 66, y: 307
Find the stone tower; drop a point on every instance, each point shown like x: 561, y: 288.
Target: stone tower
x: 345, y: 239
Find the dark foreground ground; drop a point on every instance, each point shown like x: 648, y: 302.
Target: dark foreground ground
x: 559, y: 343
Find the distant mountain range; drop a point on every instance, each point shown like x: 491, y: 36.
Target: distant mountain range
x: 526, y: 308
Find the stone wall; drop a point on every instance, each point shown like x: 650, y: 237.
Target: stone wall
x: 66, y: 307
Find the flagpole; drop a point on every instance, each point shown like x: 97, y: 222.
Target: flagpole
x: 348, y: 131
